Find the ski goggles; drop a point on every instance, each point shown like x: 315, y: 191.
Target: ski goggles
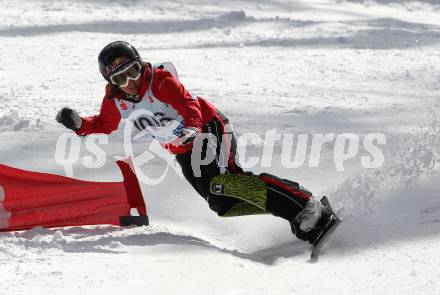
x: 130, y: 72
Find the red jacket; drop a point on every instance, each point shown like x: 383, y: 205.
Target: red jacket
x: 196, y: 112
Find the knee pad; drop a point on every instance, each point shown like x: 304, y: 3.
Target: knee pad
x: 247, y: 188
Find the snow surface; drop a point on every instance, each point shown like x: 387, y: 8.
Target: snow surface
x: 299, y: 66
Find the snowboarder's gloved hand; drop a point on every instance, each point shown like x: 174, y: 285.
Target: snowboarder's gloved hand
x: 189, y: 134
x: 69, y: 118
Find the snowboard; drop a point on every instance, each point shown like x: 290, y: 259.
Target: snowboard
x: 324, y: 238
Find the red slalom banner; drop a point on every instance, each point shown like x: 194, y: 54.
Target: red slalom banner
x: 29, y: 199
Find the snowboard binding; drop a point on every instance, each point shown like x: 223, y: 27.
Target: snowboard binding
x: 320, y: 235
x: 327, y: 226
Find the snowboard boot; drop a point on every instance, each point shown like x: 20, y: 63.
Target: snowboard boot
x: 312, y: 221
x: 309, y: 216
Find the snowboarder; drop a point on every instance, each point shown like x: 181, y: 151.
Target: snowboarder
x: 134, y: 84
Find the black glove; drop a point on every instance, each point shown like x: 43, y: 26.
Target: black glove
x: 69, y: 118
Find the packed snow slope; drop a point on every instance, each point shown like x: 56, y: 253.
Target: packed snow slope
x: 302, y: 67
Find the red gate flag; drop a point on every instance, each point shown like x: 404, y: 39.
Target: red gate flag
x: 29, y: 199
